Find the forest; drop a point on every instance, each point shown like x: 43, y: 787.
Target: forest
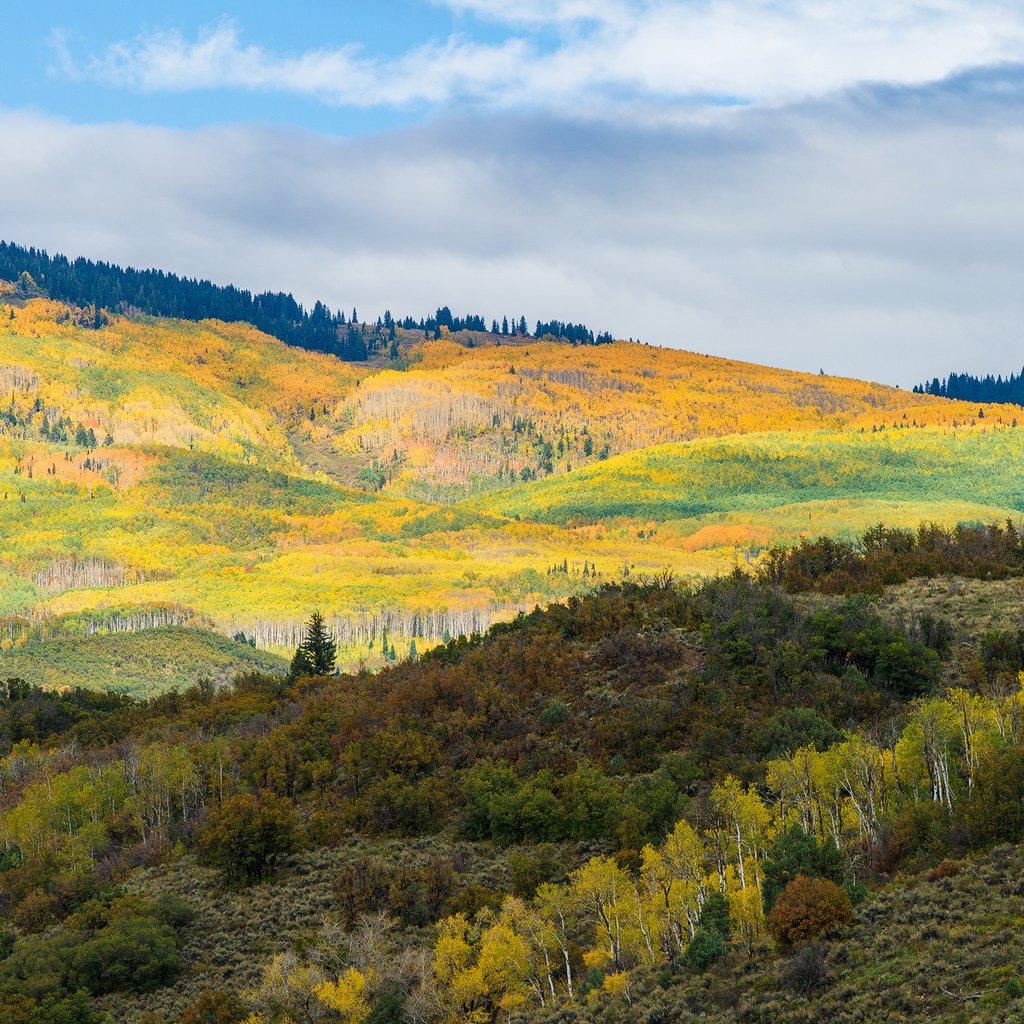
x: 653, y: 800
x: 969, y: 388
x: 108, y: 288
x: 162, y: 474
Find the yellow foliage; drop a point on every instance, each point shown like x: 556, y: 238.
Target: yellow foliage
x: 347, y: 996
x: 616, y: 984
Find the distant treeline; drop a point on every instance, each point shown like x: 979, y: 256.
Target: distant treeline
x: 976, y: 389
x: 107, y: 286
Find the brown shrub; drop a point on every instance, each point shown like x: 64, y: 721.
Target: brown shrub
x: 807, y: 908
x: 946, y: 869
x: 36, y: 911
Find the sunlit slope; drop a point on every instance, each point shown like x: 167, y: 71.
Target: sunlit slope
x: 149, y: 662
x: 467, y: 418
x: 199, y: 539
x: 156, y: 473
x: 212, y: 386
x: 758, y: 473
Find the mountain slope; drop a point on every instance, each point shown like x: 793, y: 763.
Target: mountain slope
x: 159, y: 472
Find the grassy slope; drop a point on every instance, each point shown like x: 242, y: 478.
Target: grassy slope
x: 911, y: 940
x: 919, y: 950
x: 155, y: 660
x: 763, y: 472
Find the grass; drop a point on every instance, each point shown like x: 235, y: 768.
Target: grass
x: 757, y: 473
x: 151, y: 661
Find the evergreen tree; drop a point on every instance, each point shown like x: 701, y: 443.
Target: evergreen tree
x: 316, y: 654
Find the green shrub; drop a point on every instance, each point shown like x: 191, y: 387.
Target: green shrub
x: 706, y: 946
x: 795, y: 853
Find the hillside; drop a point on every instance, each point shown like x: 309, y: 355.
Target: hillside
x: 607, y: 810
x: 159, y: 472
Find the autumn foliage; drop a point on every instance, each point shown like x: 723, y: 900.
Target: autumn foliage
x: 807, y: 908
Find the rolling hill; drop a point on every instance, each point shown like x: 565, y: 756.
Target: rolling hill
x: 159, y: 473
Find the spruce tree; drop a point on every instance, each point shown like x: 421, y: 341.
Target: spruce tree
x: 316, y: 654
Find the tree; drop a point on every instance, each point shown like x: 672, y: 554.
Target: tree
x: 347, y: 996
x: 704, y: 949
x: 794, y: 854
x: 316, y: 655
x: 249, y: 836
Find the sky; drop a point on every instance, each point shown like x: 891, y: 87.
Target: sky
x: 806, y: 183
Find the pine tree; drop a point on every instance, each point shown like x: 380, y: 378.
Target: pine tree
x: 316, y: 654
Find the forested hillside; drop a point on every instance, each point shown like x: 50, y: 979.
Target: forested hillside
x: 105, y: 288
x: 162, y: 473
x: 784, y: 796
x: 970, y: 388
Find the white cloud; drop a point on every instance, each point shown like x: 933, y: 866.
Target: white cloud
x: 546, y: 12
x: 872, y: 238
x: 218, y: 59
x: 601, y: 52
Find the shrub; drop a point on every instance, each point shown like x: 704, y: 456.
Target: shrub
x: 249, y: 836
x: 7, y: 940
x: 807, y: 908
x: 945, y: 869
x: 715, y: 914
x: 75, y: 1008
x: 214, y: 1008
x: 706, y: 946
x: 555, y: 713
x: 796, y: 853
x: 133, y: 954
x: 389, y: 1007
x: 805, y: 970
x: 36, y: 911
x: 529, y: 869
x: 790, y: 729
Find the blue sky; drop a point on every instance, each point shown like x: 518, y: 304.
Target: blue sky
x: 801, y: 182
x: 32, y: 74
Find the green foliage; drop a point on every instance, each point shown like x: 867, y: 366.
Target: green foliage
x: 994, y: 809
x: 75, y: 1008
x: 316, y: 654
x: 795, y: 854
x: 249, y: 835
x: 715, y: 915
x: 706, y: 946
x: 142, y: 663
x: 789, y: 729
x: 389, y: 1007
x: 555, y: 713
x: 116, y: 945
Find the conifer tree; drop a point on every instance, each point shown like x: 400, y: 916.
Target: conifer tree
x: 316, y: 654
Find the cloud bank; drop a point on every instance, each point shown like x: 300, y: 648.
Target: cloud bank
x: 592, y: 55
x: 875, y: 233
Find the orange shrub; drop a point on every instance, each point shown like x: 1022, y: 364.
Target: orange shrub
x: 946, y: 869
x: 807, y: 908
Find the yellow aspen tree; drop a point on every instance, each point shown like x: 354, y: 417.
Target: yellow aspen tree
x: 559, y: 904
x: 601, y: 885
x: 347, y: 996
